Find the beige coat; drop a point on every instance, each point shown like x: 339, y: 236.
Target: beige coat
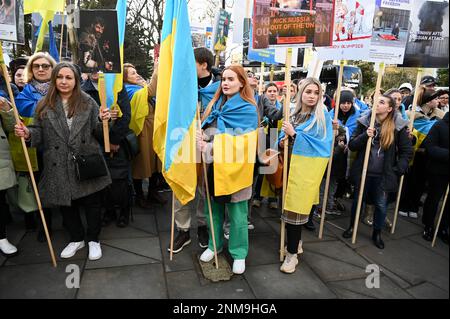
x: 146, y: 162
x: 7, y: 174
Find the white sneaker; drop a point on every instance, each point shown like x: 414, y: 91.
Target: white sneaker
x: 6, y: 247
x: 95, y: 251
x: 226, y: 234
x: 289, y: 264
x: 250, y: 226
x: 256, y: 203
x: 71, y: 249
x: 239, y: 266
x: 402, y: 213
x: 273, y: 205
x: 299, y: 249
x: 208, y: 255
x: 413, y: 215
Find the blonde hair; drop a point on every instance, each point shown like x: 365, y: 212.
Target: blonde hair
x: 29, y: 68
x: 319, y: 109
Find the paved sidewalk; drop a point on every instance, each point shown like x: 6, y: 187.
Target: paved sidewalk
x: 135, y: 263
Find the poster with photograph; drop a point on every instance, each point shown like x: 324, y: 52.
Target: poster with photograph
x: 12, y: 21
x: 198, y: 33
x: 262, y: 55
x: 98, y: 41
x: 292, y: 23
x: 427, y: 44
x: 222, y: 29
x: 261, y: 24
x: 323, y: 23
x: 352, y: 31
x: 209, y: 38
x: 390, y: 31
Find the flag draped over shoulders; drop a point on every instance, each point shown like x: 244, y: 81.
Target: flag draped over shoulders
x: 422, y: 127
x: 234, y: 145
x: 26, y: 103
x: 309, y: 159
x: 176, y: 103
x: 139, y: 106
x: 206, y: 94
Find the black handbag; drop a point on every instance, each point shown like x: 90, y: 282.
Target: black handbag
x: 132, y: 144
x: 89, y: 166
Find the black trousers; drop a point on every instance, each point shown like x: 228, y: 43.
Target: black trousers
x: 415, y: 185
x: 437, y: 185
x: 92, y: 205
x: 118, y: 194
x: 294, y: 235
x: 4, y: 209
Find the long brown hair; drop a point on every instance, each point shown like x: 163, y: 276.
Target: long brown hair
x: 76, y: 101
x: 388, y: 125
x: 246, y: 91
x: 127, y: 66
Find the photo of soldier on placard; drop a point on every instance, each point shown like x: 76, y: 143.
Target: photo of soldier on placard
x: 98, y: 41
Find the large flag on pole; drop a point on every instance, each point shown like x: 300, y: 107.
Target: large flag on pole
x: 176, y: 103
x: 114, y: 81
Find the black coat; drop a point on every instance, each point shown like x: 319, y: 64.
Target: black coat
x: 396, y: 157
x: 436, y: 146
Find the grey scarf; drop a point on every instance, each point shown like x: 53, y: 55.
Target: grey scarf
x: 41, y: 87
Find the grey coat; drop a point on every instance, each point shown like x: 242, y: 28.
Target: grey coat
x: 7, y: 174
x: 59, y: 185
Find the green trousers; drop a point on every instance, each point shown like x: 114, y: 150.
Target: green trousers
x: 237, y: 213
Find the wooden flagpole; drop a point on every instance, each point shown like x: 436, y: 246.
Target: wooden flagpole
x: 208, y: 198
x: 261, y: 79
x: 27, y: 157
x: 287, y: 101
x: 440, y: 218
x: 410, y: 126
x: 62, y: 31
x: 102, y: 94
x: 330, y: 162
x: 368, y: 146
x: 172, y: 226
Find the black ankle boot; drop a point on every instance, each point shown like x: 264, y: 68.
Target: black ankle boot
x: 376, y: 237
x: 348, y: 233
x: 124, y: 218
x: 428, y: 233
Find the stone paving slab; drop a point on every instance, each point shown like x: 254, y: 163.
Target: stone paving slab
x: 263, y: 249
x: 404, y: 228
x: 113, y: 257
x: 336, y: 250
x: 439, y: 248
x: 427, y: 291
x: 114, y: 232
x: 412, y: 262
x: 182, y: 260
x: 187, y: 285
x: 145, y: 222
x: 130, y: 282
x: 36, y: 281
x: 343, y: 293
x: 146, y: 247
x: 268, y: 282
x: 387, y: 290
x: 330, y: 269
x: 307, y: 235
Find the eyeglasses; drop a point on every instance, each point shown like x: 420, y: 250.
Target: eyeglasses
x: 44, y: 66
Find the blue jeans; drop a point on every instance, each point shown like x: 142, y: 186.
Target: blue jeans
x: 377, y: 196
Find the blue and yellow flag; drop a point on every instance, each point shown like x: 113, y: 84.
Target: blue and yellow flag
x: 309, y: 159
x: 422, y: 127
x: 176, y: 103
x: 114, y: 81
x: 234, y: 146
x: 138, y: 96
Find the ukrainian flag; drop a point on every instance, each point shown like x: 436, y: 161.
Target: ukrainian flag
x: 176, y: 103
x: 47, y: 9
x: 234, y: 146
x: 309, y: 159
x: 113, y: 81
x: 422, y: 127
x: 139, y: 106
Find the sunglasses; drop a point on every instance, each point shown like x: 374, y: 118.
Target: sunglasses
x: 44, y: 66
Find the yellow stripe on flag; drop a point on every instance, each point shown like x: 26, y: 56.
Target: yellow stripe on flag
x: 234, y: 161
x: 31, y: 6
x: 305, y: 176
x: 139, y: 110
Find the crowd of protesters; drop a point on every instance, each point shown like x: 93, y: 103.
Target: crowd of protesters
x: 62, y: 121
